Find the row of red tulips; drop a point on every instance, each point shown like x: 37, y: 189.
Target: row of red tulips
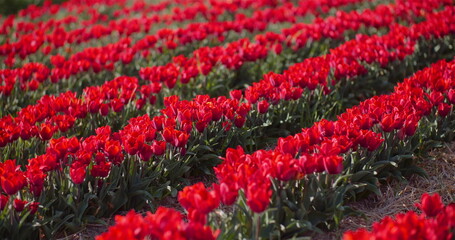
x: 24, y: 21
x: 127, y: 26
x: 114, y: 95
x: 92, y: 163
x: 124, y: 51
x: 95, y: 106
x: 320, y: 147
x: 317, y: 149
x: 436, y: 222
x: 142, y: 137
x: 238, y: 53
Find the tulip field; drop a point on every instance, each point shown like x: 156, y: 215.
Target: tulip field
x: 222, y: 119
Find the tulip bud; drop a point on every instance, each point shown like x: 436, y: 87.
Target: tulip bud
x: 431, y: 205
x: 444, y: 109
x: 3, y: 201
x: 236, y: 94
x: 263, y: 106
x: 19, y: 205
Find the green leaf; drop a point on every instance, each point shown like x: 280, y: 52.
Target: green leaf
x: 65, y: 220
x: 119, y: 199
x: 84, y: 205
x: 359, y: 176
x: 385, y: 163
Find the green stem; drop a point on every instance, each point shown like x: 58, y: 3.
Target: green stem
x: 256, y: 225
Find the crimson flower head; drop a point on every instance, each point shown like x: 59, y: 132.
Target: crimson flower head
x: 239, y: 121
x: 451, y: 95
x: 171, y: 44
x: 33, y: 85
x: 411, y: 124
x: 201, y: 126
x: 431, y: 205
x: 158, y: 147
x: 263, y: 106
x: 101, y: 169
x: 228, y: 193
x: 57, y: 60
x: 444, y: 109
x: 35, y: 177
x: 333, y: 164
x: 46, y: 131
x: 360, y: 234
x: 168, y: 135
x: 436, y: 97
x: 3, y: 201
x: 77, y: 174
x: 12, y: 179
x: 236, y: 94
x: 370, y: 140
x: 131, y: 226
x: 145, y: 153
x: 287, y: 145
x: 112, y: 148
x: 309, y: 164
x: 33, y: 207
x: 165, y: 223
x: 387, y: 123
x: 180, y: 138
x: 198, y: 198
x: 104, y: 109
x: 19, y: 205
x: 258, y: 194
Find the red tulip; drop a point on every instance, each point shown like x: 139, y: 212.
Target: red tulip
x: 145, y: 153
x: 19, y: 205
x: 113, y: 148
x: 198, y: 198
x: 33, y: 85
x: 258, y: 195
x: 46, y: 132
x: 168, y: 135
x: 436, y: 98
x: 3, y: 201
x: 444, y: 109
x: 77, y: 174
x: 370, y: 140
x: 451, y: 95
x: 309, y: 164
x: 263, y: 106
x: 33, y: 207
x: 180, y: 139
x: 387, y: 123
x: 100, y: 169
x: 410, y: 125
x: 104, y: 109
x: 285, y: 167
x: 236, y: 94
x: 239, y: 121
x: 228, y: 193
x: 11, y: 177
x: 287, y: 145
x: 158, y: 148
x: 431, y: 205
x: 333, y: 164
x: 36, y: 178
